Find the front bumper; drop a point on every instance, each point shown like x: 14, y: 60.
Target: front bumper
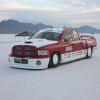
x: 31, y: 63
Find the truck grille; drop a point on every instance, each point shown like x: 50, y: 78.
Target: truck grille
x: 17, y: 48
x: 29, y: 53
x: 24, y: 51
x: 17, y: 52
x: 29, y: 48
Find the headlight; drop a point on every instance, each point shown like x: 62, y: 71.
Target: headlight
x: 43, y: 52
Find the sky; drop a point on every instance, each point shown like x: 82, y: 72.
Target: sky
x: 69, y: 13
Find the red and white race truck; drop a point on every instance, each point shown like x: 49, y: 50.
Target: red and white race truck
x: 51, y: 47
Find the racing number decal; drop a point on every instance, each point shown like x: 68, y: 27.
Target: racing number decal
x: 69, y: 48
x: 68, y: 55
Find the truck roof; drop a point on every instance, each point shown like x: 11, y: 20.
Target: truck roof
x: 57, y: 30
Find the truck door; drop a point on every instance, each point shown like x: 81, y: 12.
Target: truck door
x: 77, y: 45
x: 68, y: 49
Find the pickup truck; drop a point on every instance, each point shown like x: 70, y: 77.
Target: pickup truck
x: 50, y: 47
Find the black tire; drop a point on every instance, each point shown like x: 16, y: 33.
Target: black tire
x: 54, y: 60
x: 89, y: 52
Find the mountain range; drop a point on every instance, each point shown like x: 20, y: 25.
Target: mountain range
x: 14, y: 27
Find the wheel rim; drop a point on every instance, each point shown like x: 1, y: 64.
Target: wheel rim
x: 89, y: 52
x: 55, y: 59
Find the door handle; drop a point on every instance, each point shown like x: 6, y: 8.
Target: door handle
x: 80, y: 42
x: 72, y: 44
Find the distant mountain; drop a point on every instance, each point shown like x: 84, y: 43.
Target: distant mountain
x: 88, y: 29
x: 14, y: 27
x: 64, y: 27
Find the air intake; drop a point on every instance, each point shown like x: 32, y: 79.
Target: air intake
x: 28, y: 42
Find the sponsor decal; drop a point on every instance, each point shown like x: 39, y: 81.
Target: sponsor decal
x: 79, y: 53
x: 39, y: 40
x: 65, y: 56
x: 69, y: 48
x: 73, y: 54
x: 69, y: 55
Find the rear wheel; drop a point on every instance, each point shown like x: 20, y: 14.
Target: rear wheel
x: 89, y: 52
x: 54, y: 60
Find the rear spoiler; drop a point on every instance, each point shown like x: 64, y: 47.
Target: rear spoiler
x: 86, y: 37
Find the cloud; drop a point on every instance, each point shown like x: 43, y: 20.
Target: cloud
x: 83, y: 4
x: 83, y: 21
x: 51, y: 16
x: 13, y: 6
x: 5, y: 15
x: 19, y: 1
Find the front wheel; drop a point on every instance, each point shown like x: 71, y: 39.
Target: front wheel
x: 89, y: 52
x: 54, y: 60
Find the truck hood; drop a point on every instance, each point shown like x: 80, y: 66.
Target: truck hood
x: 37, y: 42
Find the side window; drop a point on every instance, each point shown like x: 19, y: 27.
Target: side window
x: 75, y: 35
x: 67, y: 36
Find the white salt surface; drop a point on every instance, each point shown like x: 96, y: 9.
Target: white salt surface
x: 77, y: 80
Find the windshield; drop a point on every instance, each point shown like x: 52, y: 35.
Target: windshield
x: 47, y: 35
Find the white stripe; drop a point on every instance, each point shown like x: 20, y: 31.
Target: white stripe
x: 66, y: 57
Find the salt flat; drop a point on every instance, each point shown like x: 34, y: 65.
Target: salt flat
x: 77, y: 80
